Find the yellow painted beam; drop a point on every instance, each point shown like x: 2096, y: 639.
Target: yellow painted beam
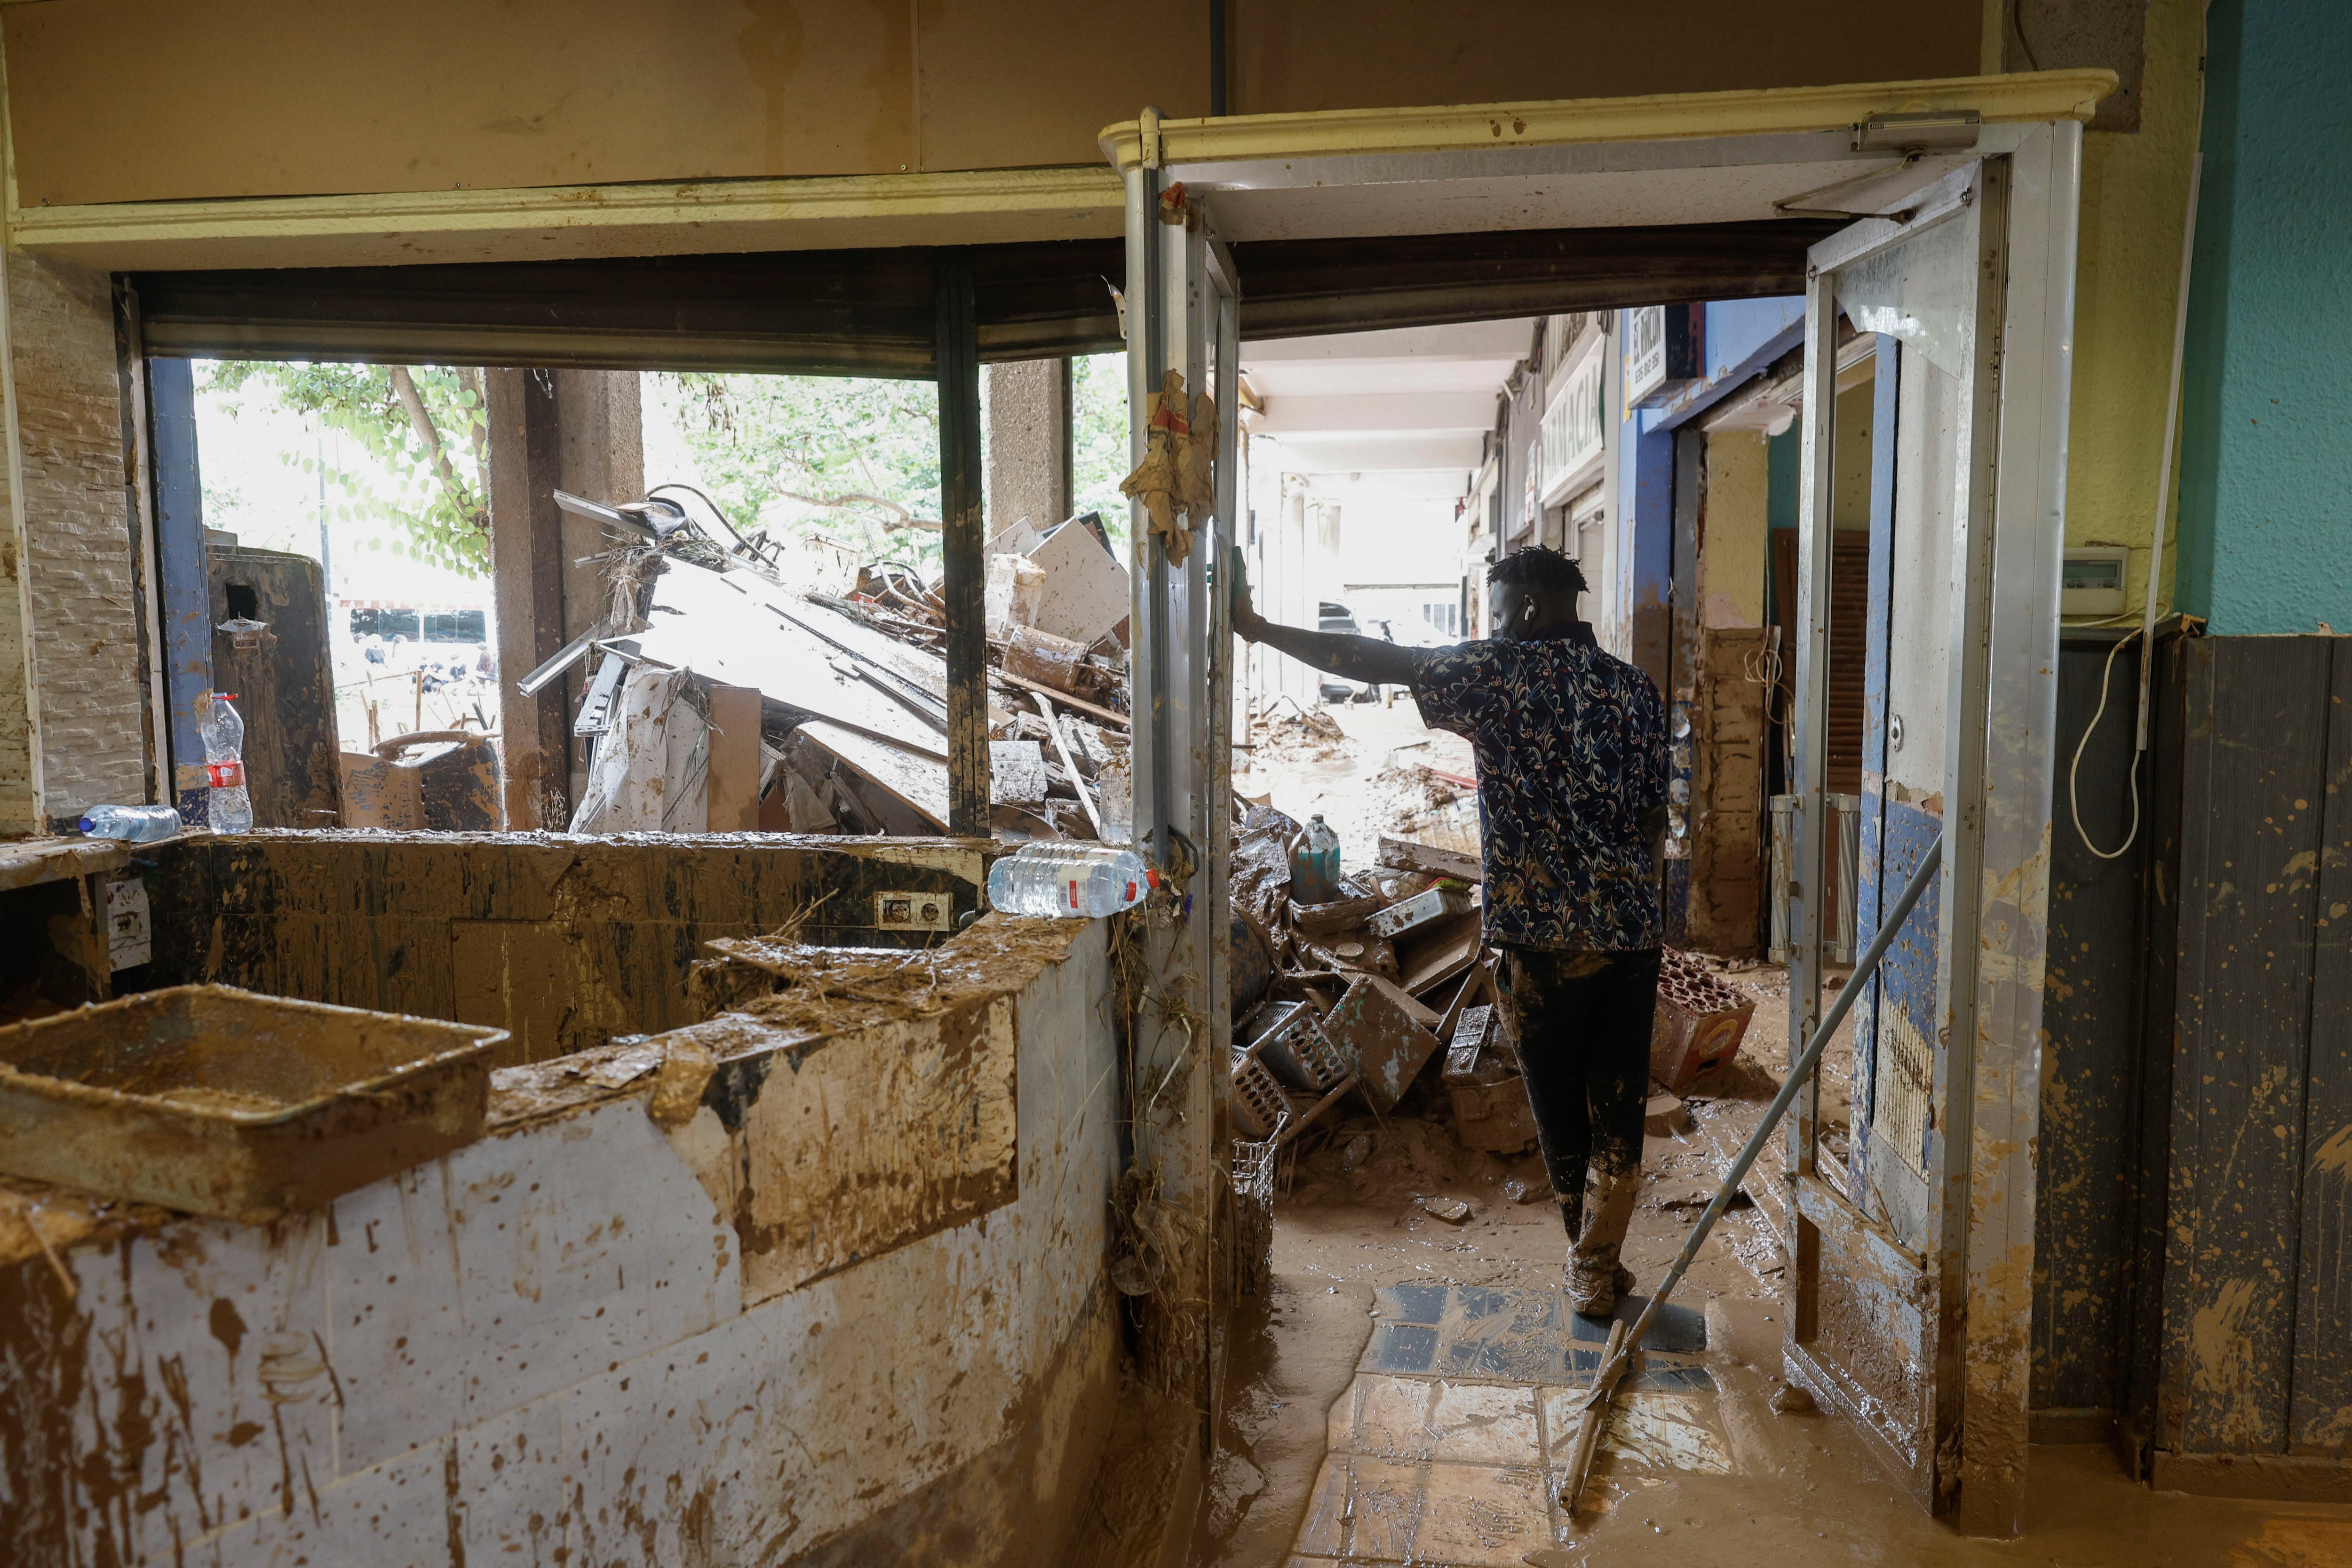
x: 2024, y: 97
x: 564, y: 223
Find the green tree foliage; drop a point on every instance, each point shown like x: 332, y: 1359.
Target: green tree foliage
x: 1098, y: 438
x: 853, y: 459
x: 425, y: 434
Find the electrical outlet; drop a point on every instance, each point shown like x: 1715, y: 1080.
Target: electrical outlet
x: 914, y: 912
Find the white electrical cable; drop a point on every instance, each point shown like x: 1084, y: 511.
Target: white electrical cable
x: 2147, y: 631
x: 2106, y: 673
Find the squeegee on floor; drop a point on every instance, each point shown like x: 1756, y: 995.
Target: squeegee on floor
x: 1624, y: 1342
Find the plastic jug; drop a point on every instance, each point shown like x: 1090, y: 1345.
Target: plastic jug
x: 1315, y: 863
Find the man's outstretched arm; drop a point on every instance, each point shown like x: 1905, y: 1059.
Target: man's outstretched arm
x: 1368, y: 659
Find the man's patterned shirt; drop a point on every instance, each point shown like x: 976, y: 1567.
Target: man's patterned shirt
x: 1572, y: 751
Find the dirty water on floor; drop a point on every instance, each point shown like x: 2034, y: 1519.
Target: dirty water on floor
x: 1406, y: 1391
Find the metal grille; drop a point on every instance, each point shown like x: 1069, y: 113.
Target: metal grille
x: 1845, y: 888
x: 1253, y: 1170
x: 1899, y: 1086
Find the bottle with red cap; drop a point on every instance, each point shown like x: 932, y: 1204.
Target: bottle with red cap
x: 1069, y: 881
x: 231, y: 808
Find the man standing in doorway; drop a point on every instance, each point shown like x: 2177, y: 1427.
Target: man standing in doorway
x: 1572, y: 749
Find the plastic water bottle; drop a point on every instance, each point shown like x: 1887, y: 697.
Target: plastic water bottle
x: 1315, y: 863
x: 137, y: 824
x: 231, y: 809
x: 1069, y: 881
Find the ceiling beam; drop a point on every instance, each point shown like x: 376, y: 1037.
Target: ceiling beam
x: 1381, y: 411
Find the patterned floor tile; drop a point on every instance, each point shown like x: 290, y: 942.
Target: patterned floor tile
x: 1473, y: 1514
x: 1383, y: 1513
x: 1393, y: 1418
x: 1485, y: 1425
x: 1656, y: 1431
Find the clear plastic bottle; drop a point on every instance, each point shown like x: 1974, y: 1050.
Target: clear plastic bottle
x: 231, y: 810
x: 136, y: 824
x: 1070, y: 882
x: 1315, y: 863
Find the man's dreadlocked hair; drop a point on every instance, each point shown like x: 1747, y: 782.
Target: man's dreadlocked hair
x: 1540, y: 567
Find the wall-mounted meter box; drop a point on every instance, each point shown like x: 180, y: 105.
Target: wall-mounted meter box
x: 2091, y: 583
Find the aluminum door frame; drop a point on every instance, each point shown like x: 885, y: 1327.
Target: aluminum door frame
x: 1182, y: 312
x: 2000, y: 718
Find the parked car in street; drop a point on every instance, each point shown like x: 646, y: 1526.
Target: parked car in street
x: 1334, y: 616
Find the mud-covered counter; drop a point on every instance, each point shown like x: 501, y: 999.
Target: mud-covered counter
x: 820, y: 1277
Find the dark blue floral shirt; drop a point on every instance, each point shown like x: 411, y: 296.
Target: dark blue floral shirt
x: 1572, y: 748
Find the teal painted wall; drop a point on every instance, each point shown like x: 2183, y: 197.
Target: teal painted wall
x: 1783, y: 454
x: 2266, y: 413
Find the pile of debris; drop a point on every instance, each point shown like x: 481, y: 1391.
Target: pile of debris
x: 1389, y: 992
x: 727, y: 694
x: 1356, y: 994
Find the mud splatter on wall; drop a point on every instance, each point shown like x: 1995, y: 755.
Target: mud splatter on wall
x: 563, y: 941
x: 549, y: 1347
x: 2255, y: 1378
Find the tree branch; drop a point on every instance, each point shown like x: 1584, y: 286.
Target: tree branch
x: 852, y: 500
x: 421, y: 421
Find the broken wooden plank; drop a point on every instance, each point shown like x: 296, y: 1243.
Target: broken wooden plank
x: 1407, y: 855
x: 1105, y: 714
x: 1062, y: 750
x: 917, y: 781
x: 733, y: 787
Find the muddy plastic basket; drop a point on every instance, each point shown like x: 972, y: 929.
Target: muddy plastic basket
x: 1259, y: 1106
x: 229, y: 1103
x: 1254, y: 1163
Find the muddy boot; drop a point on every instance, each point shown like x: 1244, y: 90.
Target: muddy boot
x: 1595, y: 1276
x: 1597, y: 1298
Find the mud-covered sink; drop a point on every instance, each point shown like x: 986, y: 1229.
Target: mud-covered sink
x: 233, y: 1104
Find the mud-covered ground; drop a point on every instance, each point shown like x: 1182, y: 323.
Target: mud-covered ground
x: 1355, y: 1215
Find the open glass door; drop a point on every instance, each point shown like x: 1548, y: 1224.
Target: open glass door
x: 1912, y: 1254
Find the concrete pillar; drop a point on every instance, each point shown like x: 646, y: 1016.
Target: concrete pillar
x: 527, y: 588
x: 1027, y: 465
x: 74, y: 718
x: 1725, y: 822
x: 600, y: 443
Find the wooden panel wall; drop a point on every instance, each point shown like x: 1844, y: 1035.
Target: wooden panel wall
x: 2091, y: 1062
x: 2256, y: 1359
x: 564, y: 942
